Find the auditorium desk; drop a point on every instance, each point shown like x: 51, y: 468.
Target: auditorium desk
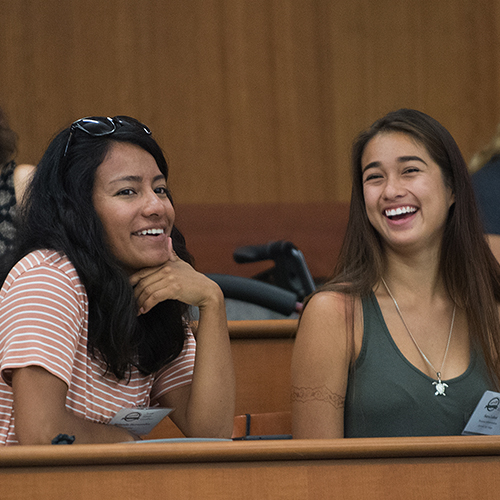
x: 262, y: 355
x: 441, y: 468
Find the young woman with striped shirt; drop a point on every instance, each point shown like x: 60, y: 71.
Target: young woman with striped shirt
x: 95, y: 295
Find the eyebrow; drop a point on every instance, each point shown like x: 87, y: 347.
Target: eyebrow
x: 136, y: 178
x: 400, y: 159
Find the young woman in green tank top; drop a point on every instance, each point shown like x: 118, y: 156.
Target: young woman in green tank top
x: 405, y: 339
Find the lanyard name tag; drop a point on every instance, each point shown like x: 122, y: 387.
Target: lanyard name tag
x: 140, y: 421
x: 486, y: 416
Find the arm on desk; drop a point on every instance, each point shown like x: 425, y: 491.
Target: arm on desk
x: 41, y: 414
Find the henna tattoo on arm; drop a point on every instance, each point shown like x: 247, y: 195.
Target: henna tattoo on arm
x: 304, y: 394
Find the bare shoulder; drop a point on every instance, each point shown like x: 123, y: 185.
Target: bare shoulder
x: 494, y: 242
x: 326, y: 323
x: 329, y: 308
x: 328, y: 302
x: 22, y: 176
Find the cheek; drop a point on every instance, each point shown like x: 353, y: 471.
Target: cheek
x: 368, y: 204
x: 111, y: 214
x: 113, y: 227
x: 370, y: 198
x: 171, y: 215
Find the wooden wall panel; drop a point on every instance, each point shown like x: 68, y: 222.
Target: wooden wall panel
x: 254, y: 101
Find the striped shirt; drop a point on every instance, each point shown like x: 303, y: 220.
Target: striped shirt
x: 44, y: 322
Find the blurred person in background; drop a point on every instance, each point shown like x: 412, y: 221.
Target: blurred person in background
x: 13, y: 180
x: 485, y: 169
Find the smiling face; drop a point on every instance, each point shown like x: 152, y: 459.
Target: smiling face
x: 130, y: 198
x: 406, y: 198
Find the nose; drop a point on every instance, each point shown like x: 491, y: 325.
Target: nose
x: 394, y: 188
x: 153, y: 204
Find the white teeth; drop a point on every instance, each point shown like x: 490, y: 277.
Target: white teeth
x: 150, y: 231
x: 399, y: 211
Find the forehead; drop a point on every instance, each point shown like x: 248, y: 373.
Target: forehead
x: 390, y: 145
x: 126, y: 159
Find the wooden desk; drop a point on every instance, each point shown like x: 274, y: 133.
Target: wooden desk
x: 262, y: 354
x: 393, y: 468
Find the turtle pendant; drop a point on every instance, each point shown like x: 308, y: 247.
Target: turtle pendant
x: 440, y: 387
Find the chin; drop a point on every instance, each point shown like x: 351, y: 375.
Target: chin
x: 153, y: 263
x: 137, y: 265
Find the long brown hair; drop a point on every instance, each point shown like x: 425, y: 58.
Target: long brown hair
x: 470, y: 272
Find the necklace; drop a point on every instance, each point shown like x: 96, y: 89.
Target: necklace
x: 440, y: 385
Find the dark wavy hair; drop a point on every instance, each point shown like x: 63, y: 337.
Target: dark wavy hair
x: 58, y: 214
x: 470, y: 272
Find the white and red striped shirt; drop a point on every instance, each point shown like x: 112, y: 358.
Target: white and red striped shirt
x: 44, y: 322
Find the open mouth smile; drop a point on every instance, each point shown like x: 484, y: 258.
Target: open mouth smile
x: 149, y: 232
x: 400, y: 212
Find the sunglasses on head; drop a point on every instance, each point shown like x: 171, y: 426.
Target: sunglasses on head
x: 97, y: 126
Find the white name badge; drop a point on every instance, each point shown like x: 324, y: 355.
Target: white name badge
x: 486, y: 416
x: 140, y: 421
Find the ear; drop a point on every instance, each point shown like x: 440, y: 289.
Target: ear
x: 451, y: 197
x: 452, y: 200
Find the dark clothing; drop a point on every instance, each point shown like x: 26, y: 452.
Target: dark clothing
x: 486, y: 182
x: 388, y: 397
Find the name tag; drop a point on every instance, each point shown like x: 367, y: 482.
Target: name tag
x: 486, y: 416
x: 140, y: 421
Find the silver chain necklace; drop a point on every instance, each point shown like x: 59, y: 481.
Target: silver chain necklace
x: 440, y: 385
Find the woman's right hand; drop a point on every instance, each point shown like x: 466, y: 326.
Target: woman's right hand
x: 175, y: 280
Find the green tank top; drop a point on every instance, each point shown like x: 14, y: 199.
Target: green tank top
x: 387, y: 396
